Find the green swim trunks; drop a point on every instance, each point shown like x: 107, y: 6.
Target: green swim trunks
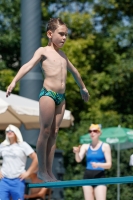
x: 58, y: 98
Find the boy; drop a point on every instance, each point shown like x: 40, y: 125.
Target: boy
x: 52, y: 96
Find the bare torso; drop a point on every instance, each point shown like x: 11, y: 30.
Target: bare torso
x: 54, y: 66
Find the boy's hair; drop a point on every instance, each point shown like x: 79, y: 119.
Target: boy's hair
x: 54, y: 23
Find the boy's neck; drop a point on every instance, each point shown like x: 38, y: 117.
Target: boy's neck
x: 53, y: 46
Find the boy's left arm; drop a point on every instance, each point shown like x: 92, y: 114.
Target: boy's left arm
x: 84, y: 92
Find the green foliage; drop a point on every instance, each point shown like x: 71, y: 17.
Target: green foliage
x: 6, y: 76
x: 10, y: 33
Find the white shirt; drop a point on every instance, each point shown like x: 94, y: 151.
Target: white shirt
x: 14, y: 159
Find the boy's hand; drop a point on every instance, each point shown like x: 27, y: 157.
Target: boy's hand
x: 10, y: 88
x: 85, y: 95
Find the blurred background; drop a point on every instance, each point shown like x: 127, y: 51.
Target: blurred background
x: 100, y: 46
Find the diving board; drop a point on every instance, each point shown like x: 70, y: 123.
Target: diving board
x: 75, y: 183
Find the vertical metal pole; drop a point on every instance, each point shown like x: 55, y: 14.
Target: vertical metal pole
x: 118, y: 170
x: 31, y: 83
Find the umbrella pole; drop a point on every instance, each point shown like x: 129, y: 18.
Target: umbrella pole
x: 118, y: 170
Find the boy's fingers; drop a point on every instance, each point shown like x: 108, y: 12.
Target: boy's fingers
x: 8, y: 92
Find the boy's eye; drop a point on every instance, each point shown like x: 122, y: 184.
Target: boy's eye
x: 62, y: 34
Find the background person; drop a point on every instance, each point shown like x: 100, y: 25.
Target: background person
x: 37, y: 193
x: 14, y: 152
x: 98, y: 158
x: 131, y: 160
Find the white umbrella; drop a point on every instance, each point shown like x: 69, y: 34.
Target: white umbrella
x: 19, y: 110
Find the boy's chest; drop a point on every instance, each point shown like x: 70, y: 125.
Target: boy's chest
x: 54, y: 59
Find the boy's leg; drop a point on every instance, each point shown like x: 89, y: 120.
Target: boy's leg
x: 47, y: 111
x: 51, y: 145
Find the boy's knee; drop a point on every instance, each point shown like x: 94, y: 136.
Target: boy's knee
x: 45, y: 128
x: 45, y: 131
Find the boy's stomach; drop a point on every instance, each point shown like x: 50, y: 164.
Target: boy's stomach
x: 55, y: 85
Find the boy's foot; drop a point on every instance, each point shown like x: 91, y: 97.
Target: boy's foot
x: 53, y: 177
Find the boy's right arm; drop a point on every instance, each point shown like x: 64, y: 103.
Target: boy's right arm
x: 24, y: 69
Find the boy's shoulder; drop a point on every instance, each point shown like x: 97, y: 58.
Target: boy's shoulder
x: 41, y: 49
x: 44, y: 49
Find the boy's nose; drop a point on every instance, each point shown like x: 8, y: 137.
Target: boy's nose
x: 64, y: 37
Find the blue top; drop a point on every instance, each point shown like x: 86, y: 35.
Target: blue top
x: 95, y: 156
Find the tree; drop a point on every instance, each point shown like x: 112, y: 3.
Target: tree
x: 10, y: 34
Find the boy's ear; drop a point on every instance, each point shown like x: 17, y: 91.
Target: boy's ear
x: 49, y: 34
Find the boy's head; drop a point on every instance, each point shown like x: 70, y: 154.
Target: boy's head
x: 54, y: 23
x: 57, y: 32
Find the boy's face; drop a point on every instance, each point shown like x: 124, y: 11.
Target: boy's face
x: 58, y: 37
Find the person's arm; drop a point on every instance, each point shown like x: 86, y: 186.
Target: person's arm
x: 34, y: 165
x: 80, y: 152
x: 24, y: 69
x: 78, y: 79
x: 107, y: 153
x: 1, y: 175
x: 29, y: 196
x: 40, y: 194
x: 32, y: 168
